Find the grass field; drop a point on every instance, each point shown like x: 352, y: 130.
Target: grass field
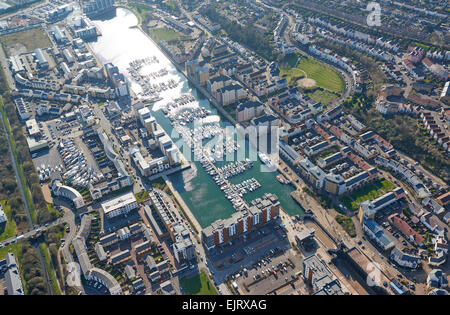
x: 30, y: 39
x: 324, y: 76
x: 370, y: 192
x: 13, y: 248
x: 141, y: 9
x: 291, y: 73
x: 164, y: 34
x: 347, y: 224
x: 141, y: 196
x: 8, y: 228
x: 324, y: 97
x: 44, y: 250
x: 198, y: 285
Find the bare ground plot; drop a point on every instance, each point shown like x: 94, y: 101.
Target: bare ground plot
x: 47, y: 193
x: 28, y: 40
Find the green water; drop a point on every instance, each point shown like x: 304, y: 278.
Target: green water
x: 205, y: 199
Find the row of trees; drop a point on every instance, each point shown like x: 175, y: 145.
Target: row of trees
x: 246, y: 35
x: 9, y: 189
x: 32, y: 179
x: 53, y: 241
x: 32, y: 271
x: 403, y: 133
x: 9, y: 183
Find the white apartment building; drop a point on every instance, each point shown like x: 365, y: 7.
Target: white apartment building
x: 120, y: 205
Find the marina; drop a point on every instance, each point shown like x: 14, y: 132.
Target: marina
x: 196, y: 185
x: 233, y: 192
x: 183, y: 102
x: 151, y: 88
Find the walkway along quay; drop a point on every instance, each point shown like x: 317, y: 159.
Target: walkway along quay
x: 183, y: 205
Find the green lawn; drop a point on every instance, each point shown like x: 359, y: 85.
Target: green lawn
x: 370, y: 192
x: 141, y: 9
x: 51, y: 271
x: 291, y: 73
x: 324, y: 97
x: 7, y: 229
x: 324, y: 76
x: 141, y: 196
x: 13, y: 248
x: 347, y: 224
x: 163, y: 34
x: 198, y: 285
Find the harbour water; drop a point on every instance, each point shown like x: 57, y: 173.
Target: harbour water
x: 122, y: 43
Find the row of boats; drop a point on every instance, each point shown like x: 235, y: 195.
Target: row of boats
x: 138, y: 64
x: 188, y: 116
x: 150, y: 89
x: 136, y: 75
x: 234, y: 168
x: 246, y: 186
x: 218, y: 151
x: 283, y: 179
x: 153, y: 90
x: 44, y: 171
x: 78, y: 173
x: 234, y: 196
x: 181, y: 112
x: 178, y: 103
x: 193, y: 138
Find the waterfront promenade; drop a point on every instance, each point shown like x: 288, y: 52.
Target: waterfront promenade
x: 182, y: 204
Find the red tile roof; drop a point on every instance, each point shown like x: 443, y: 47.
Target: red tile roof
x: 427, y: 62
x: 405, y: 228
x: 444, y: 198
